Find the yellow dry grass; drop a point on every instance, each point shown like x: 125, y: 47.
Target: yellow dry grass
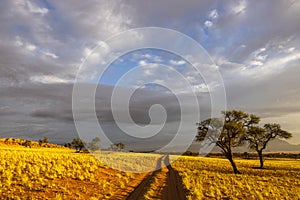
x: 43, y: 173
x: 57, y: 173
x: 212, y: 178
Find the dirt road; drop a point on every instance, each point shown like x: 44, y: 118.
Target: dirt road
x: 173, y: 189
x: 141, y: 189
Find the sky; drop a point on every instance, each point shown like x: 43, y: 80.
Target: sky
x: 44, y: 44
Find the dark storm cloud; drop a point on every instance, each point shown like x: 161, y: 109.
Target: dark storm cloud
x: 65, y: 115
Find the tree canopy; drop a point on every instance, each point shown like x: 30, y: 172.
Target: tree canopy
x: 78, y: 144
x: 228, y: 134
x: 94, y: 144
x: 234, y: 129
x: 117, y: 146
x: 259, y: 137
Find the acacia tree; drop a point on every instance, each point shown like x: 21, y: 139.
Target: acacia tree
x: 258, y: 138
x: 117, y: 146
x: 94, y: 144
x: 27, y: 143
x: 121, y: 146
x: 78, y: 144
x: 43, y: 141
x: 228, y: 134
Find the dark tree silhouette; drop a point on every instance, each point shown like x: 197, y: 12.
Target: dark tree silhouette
x: 43, y: 141
x: 121, y: 146
x: 258, y: 138
x: 27, y: 143
x: 94, y: 144
x: 68, y: 145
x: 117, y: 146
x: 78, y: 144
x: 228, y: 134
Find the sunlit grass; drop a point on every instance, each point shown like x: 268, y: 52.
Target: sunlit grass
x: 41, y: 172
x: 211, y: 178
x: 62, y: 174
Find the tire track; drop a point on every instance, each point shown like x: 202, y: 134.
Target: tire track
x: 173, y: 190
x: 141, y: 189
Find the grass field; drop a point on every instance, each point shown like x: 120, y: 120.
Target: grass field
x: 57, y: 173
x: 211, y: 178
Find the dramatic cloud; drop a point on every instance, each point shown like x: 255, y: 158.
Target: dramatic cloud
x: 255, y: 45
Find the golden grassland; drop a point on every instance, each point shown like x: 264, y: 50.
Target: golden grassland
x: 17, y: 142
x: 126, y: 161
x: 40, y: 173
x: 58, y: 173
x: 212, y: 178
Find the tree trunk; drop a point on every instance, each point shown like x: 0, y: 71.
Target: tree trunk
x: 261, y: 160
x: 230, y: 158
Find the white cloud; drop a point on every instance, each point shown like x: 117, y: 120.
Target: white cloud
x: 260, y: 70
x: 48, y: 79
x: 148, y: 56
x: 256, y: 63
x: 95, y: 20
x: 86, y: 52
x: 208, y: 23
x: 36, y: 9
x: 177, y: 62
x: 191, y: 78
x: 96, y: 55
x: 200, y: 88
x: 30, y: 47
x: 257, y: 58
x: 261, y: 57
x: 262, y: 49
x: 290, y: 50
x: 148, y: 72
x: 52, y: 55
x: 239, y: 7
x: 213, y: 14
x: 19, y: 42
x: 143, y: 63
x: 277, y: 64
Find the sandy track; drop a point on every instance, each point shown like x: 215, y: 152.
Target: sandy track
x: 141, y: 189
x: 173, y: 189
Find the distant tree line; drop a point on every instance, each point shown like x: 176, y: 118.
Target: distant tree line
x: 237, y: 128
x: 43, y: 141
x: 28, y: 143
x: 94, y: 145
x: 117, y: 146
x: 79, y: 144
